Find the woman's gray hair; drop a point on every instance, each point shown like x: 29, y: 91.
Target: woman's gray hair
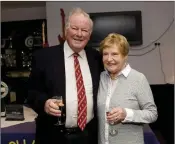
x: 78, y: 11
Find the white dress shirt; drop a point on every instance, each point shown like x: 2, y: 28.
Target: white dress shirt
x: 71, y: 89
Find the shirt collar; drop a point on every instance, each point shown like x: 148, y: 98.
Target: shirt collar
x: 69, y: 52
x: 124, y: 72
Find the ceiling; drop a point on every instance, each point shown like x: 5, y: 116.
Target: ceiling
x: 22, y: 4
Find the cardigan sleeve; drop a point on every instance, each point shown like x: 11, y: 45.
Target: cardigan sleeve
x: 148, y: 110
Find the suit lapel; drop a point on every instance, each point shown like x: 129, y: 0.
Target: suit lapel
x: 91, y: 61
x: 60, y: 73
x: 95, y: 69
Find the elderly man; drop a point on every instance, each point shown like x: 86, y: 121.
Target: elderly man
x: 70, y: 70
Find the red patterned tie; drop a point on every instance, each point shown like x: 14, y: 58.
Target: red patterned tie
x: 82, y: 103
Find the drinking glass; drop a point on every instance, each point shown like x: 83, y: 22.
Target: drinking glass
x: 112, y: 130
x: 61, y: 119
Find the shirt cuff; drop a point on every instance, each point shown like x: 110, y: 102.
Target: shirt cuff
x: 129, y: 115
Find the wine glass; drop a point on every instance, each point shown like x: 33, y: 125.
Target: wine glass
x: 112, y: 130
x: 59, y: 103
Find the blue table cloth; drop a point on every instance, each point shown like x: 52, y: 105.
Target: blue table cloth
x: 25, y: 133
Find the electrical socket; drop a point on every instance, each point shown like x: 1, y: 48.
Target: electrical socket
x: 157, y: 44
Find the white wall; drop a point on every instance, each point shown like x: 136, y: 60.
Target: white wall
x: 16, y: 14
x: 156, y: 17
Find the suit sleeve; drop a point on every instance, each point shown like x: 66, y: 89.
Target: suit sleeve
x: 148, y: 109
x: 37, y: 95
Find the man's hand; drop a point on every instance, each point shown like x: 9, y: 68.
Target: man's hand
x: 52, y: 108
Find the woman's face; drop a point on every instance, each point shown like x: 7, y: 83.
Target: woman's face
x: 113, y: 60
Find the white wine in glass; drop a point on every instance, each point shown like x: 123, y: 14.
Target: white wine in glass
x: 61, y: 119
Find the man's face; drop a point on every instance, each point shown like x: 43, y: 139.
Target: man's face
x: 78, y: 33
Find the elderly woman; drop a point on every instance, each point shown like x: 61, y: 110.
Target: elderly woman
x: 125, y: 100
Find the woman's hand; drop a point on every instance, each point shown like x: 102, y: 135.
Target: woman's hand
x: 116, y: 115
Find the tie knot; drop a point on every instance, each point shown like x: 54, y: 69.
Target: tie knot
x: 75, y: 55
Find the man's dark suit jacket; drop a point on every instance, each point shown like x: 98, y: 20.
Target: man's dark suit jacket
x: 47, y: 79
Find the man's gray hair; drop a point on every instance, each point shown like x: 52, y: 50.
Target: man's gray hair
x: 78, y: 11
